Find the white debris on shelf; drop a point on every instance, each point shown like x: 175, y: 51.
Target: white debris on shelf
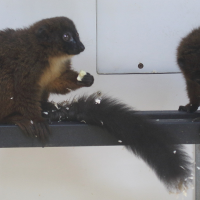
x: 75, y: 100
x: 101, y: 122
x: 53, y: 111
x: 31, y: 122
x: 174, y: 152
x: 69, y: 89
x: 55, y: 104
x: 198, y: 168
x: 60, y: 119
x: 81, y: 75
x: 185, y: 193
x: 11, y: 98
x: 83, y: 121
x: 67, y: 108
x: 64, y: 103
x: 46, y: 113
x: 99, y: 93
x: 98, y: 101
x: 35, y: 135
x: 191, y: 178
x: 182, y: 167
x: 119, y: 141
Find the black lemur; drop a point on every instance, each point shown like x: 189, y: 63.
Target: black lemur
x: 188, y: 59
x: 35, y: 62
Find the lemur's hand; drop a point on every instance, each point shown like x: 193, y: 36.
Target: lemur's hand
x: 85, y: 78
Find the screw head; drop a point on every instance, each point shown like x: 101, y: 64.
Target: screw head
x: 140, y: 65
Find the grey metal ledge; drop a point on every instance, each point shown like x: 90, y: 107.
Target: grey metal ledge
x: 79, y: 134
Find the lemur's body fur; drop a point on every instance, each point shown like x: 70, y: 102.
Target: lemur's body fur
x: 35, y: 62
x: 188, y: 59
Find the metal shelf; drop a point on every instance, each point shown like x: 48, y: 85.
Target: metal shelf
x: 180, y: 124
x: 64, y: 134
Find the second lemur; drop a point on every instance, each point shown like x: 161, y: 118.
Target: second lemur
x: 35, y: 62
x: 188, y: 59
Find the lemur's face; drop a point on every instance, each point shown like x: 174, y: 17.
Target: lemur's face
x: 60, y: 35
x: 71, y: 43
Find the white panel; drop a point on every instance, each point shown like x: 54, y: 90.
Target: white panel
x: 130, y: 32
x: 92, y: 173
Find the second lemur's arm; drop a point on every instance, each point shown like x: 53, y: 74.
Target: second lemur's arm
x: 188, y: 59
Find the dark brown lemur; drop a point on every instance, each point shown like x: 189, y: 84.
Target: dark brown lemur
x: 188, y: 59
x: 35, y: 62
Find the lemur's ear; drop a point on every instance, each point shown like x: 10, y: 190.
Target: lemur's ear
x: 42, y: 32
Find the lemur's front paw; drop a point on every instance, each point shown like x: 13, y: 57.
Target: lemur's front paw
x: 87, y: 80
x: 190, y: 108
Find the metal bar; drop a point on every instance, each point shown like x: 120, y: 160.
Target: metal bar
x: 197, y: 171
x: 180, y: 124
x: 169, y: 114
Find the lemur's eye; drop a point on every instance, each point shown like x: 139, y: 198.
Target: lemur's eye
x: 66, y: 37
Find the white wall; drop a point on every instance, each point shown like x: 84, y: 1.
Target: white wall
x: 142, y: 31
x: 92, y: 173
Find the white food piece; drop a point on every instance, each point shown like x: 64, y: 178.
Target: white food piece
x: 81, y: 75
x: 31, y: 122
x: 55, y: 104
x: 46, y: 113
x: 119, y: 141
x: 174, y: 152
x: 11, y: 98
x: 97, y: 101
x: 184, y: 193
